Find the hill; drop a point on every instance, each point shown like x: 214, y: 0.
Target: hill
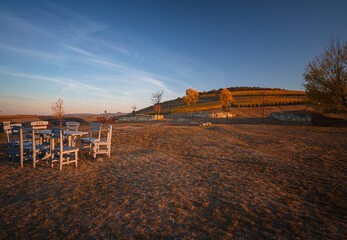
x: 244, y: 97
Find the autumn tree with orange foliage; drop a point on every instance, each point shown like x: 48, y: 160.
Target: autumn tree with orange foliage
x: 191, y: 98
x: 226, y: 98
x: 157, y: 108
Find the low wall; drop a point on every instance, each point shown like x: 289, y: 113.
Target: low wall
x: 214, y: 115
x: 139, y: 118
x: 290, y: 117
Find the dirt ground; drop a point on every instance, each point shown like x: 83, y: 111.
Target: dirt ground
x: 241, y: 178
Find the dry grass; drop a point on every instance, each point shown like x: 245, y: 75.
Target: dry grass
x: 238, y: 179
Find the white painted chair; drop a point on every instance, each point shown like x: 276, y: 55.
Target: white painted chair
x: 16, y: 143
x: 95, y: 131
x: 63, y: 154
x: 98, y: 145
x: 24, y: 145
x: 34, y: 150
x: 72, y: 126
x: 8, y: 133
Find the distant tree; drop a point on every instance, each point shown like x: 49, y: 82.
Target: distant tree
x: 134, y: 109
x: 226, y: 98
x: 156, y: 99
x: 191, y: 98
x: 58, y: 109
x: 326, y: 78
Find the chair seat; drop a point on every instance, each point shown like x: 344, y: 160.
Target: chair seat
x: 16, y: 143
x: 67, y: 149
x: 89, y: 139
x: 38, y: 147
x: 101, y: 142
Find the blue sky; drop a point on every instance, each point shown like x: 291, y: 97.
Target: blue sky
x: 110, y: 55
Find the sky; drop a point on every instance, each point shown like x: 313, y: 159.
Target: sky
x: 111, y: 55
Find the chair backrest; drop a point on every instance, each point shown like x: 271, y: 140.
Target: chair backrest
x: 29, y: 134
x: 39, y: 125
x: 5, y: 123
x: 109, y: 133
x: 95, y: 128
x: 16, y: 134
x: 8, y: 130
x: 72, y: 126
x: 57, y: 133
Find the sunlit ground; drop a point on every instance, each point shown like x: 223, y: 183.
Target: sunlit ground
x: 171, y: 180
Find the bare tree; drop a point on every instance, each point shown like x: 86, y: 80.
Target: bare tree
x: 58, y: 109
x: 326, y: 78
x: 156, y: 99
x: 134, y: 110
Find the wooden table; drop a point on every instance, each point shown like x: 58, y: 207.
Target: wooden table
x: 70, y: 134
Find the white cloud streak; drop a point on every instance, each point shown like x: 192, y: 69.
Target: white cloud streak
x: 32, y: 53
x: 73, y: 85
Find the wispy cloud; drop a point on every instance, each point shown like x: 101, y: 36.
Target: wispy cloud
x: 78, y: 26
x: 21, y: 98
x: 114, y: 46
x: 78, y: 50
x: 33, y: 53
x: 8, y: 19
x: 129, y: 71
x: 73, y: 85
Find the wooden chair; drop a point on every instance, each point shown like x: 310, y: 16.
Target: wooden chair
x: 17, y: 143
x: 95, y: 131
x: 8, y: 133
x: 33, y: 151
x: 62, y: 153
x: 25, y: 146
x: 72, y: 126
x: 98, y: 144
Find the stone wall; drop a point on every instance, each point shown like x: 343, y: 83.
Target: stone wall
x: 139, y: 118
x: 290, y: 117
x: 214, y: 115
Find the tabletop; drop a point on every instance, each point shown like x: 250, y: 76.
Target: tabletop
x: 70, y: 133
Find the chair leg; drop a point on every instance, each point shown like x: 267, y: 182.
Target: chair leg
x: 94, y: 150
x: 76, y: 158
x: 52, y: 157
x: 13, y: 154
x: 21, y: 157
x: 34, y: 159
x: 61, y: 161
